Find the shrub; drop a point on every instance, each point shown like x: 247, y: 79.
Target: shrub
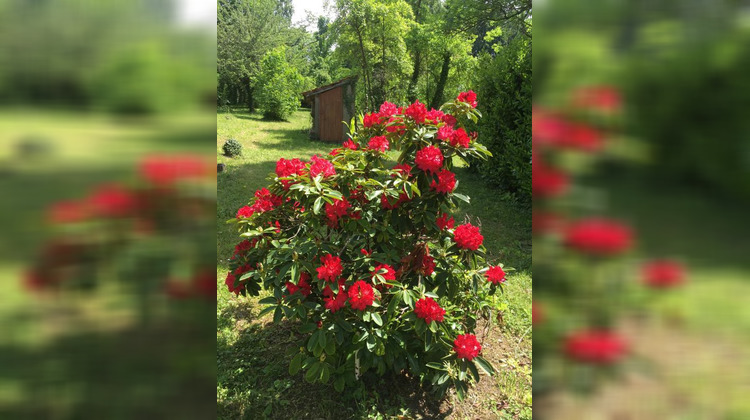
x: 366, y: 257
x: 278, y: 85
x: 232, y: 148
x: 504, y: 83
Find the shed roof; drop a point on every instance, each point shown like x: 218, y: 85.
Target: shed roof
x: 333, y: 85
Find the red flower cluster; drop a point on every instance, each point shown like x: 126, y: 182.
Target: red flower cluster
x: 602, y: 98
x: 386, y: 203
x: 338, y: 209
x: 331, y: 268
x: 379, y: 143
x: 537, y: 313
x: 445, y: 222
x: 111, y: 200
x: 388, y: 109
x: 429, y: 159
x: 361, y: 295
x: 446, y: 182
x: 663, y: 274
x: 445, y: 132
x: 459, y: 138
x: 264, y: 201
x: 349, y: 144
x: 388, y: 273
x: 429, y: 310
x: 371, y: 119
x: 495, y: 275
x: 285, y: 168
x: 67, y: 212
x: 403, y: 168
x: 244, y: 211
x: 244, y: 246
x: 595, y: 346
x: 230, y: 282
x: 546, y: 181
x: 469, y: 97
x: 417, y: 112
x: 321, y: 166
x: 164, y: 171
x: 466, y: 346
x: 428, y: 265
x: 599, y: 237
x: 434, y: 115
x: 552, y: 130
x: 303, y: 285
x: 468, y: 237
x: 334, y: 303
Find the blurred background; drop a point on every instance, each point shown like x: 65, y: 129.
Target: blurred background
x: 107, y: 216
x: 670, y: 112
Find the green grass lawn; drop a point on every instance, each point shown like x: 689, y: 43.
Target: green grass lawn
x: 253, y: 373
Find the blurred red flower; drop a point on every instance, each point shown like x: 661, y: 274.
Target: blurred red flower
x: 663, y: 274
x: 600, y: 237
x: 595, y: 346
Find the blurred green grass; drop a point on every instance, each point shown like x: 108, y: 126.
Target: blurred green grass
x: 250, y: 355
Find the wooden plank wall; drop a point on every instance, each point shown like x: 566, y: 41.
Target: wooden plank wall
x: 331, y: 114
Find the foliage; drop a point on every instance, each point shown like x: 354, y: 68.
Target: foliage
x: 232, y: 148
x: 279, y: 86
x: 357, y: 252
x: 504, y: 80
x: 688, y: 107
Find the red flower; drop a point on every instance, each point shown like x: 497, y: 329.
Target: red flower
x: 331, y: 268
x: 112, y: 201
x: 468, y: 237
x: 429, y: 310
x: 338, y: 209
x: 335, y: 152
x: 204, y: 284
x: 334, y: 303
x: 403, y: 168
x: 388, y: 109
x: 434, y: 115
x: 444, y: 222
x: 459, y: 138
x: 395, y: 125
x: 598, y: 237
x: 595, y: 346
x: 370, y: 119
x: 466, y: 346
x: 537, y: 313
x: 164, y: 171
x: 446, y: 182
x: 386, y: 203
x: 602, y: 98
x: 469, y: 97
x: 303, y: 286
x: 230, y: 282
x: 244, y: 246
x: 286, y: 168
x: 582, y: 137
x: 349, y: 144
x: 379, y: 143
x: 321, y: 166
x: 245, y: 212
x: 449, y: 119
x: 663, y: 274
x: 68, y: 212
x: 445, y: 132
x: 495, y: 275
x: 429, y: 159
x: 265, y: 201
x: 365, y: 252
x: 417, y: 112
x: 546, y: 181
x: 361, y: 295
x: 428, y: 265
x: 388, y: 273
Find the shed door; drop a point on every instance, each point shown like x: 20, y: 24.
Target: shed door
x: 331, y: 113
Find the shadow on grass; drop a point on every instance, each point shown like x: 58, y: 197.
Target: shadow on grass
x: 254, y: 382
x: 124, y: 374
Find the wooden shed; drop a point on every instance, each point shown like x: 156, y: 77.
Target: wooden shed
x: 331, y: 105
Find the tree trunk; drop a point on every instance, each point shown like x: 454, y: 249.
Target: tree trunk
x: 438, y: 98
x: 412, y: 91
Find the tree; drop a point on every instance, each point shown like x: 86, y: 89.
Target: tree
x: 279, y: 85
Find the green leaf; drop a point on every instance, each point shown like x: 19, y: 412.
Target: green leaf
x: 308, y: 328
x: 312, y: 373
x: 338, y: 384
x: 331, y: 347
x: 371, y: 343
x: 393, y: 305
x: 435, y: 365
x: 317, y: 205
x: 270, y: 300
x: 312, y: 342
x: 474, y: 372
x: 376, y: 317
x: 322, y: 339
x: 266, y: 310
x: 325, y: 374
x: 460, y: 390
x: 296, y: 364
x: 277, y: 315
x: 462, y: 197
x: 485, y: 365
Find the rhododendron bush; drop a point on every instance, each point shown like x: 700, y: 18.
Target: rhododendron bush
x: 364, y: 254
